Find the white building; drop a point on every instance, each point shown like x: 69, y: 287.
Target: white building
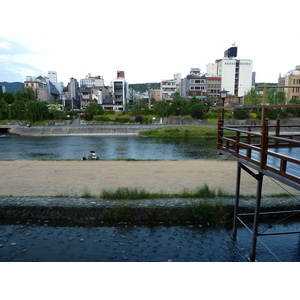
x: 120, y: 89
x: 169, y: 87
x: 236, y: 74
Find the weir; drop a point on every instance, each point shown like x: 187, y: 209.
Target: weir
x: 75, y: 130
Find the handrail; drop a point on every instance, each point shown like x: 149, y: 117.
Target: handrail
x: 254, y: 147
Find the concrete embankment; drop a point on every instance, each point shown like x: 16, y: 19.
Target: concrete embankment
x: 201, y: 211
x: 78, y: 130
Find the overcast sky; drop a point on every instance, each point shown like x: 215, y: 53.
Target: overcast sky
x: 149, y: 40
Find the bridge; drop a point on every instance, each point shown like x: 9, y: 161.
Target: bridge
x: 261, y: 150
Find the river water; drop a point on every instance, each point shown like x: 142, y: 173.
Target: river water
x: 106, y: 147
x: 42, y: 241
x: 45, y: 242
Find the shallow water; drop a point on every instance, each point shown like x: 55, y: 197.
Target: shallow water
x: 124, y: 242
x: 106, y: 147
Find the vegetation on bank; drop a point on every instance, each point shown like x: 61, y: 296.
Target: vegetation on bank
x: 183, y: 131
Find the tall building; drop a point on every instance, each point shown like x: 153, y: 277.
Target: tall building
x: 72, y: 94
x: 193, y: 85
x: 236, y: 74
x: 2, y: 89
x: 92, y: 88
x: 292, y: 79
x: 120, y: 91
x: 169, y: 87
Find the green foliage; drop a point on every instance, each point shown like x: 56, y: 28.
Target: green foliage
x: 179, y: 106
x: 139, y: 119
x: 102, y: 119
x: 294, y: 111
x: 94, y: 108
x: 7, y: 97
x: 241, y: 113
x: 4, y: 110
x: 140, y: 108
x: 18, y: 110
x: 197, y: 113
x: 88, y: 116
x: 36, y: 110
x: 275, y: 97
x: 161, y: 108
x: 252, y: 97
x: 27, y: 94
x: 143, y: 87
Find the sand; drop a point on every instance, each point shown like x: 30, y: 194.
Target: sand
x: 73, y: 178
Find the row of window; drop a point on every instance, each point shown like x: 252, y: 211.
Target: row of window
x: 197, y: 87
x: 197, y: 81
x: 296, y: 81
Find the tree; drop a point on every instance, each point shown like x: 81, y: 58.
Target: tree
x: 252, y: 97
x: 18, y: 110
x: 8, y: 98
x: 94, y: 108
x: 3, y: 110
x: 27, y: 94
x: 161, y: 108
x: 179, y: 106
x: 275, y: 97
x: 36, y: 110
x: 140, y: 108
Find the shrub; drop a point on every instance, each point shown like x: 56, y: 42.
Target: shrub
x: 139, y: 119
x: 197, y: 114
x: 88, y: 117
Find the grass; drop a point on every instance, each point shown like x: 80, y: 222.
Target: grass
x: 184, y: 131
x: 125, y: 193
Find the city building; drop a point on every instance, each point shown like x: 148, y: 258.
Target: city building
x: 71, y: 95
x: 194, y: 85
x: 213, y: 88
x: 93, y: 89
x: 291, y: 79
x: 169, y: 87
x: 46, y: 88
x: 2, y: 89
x: 236, y: 74
x: 40, y: 87
x: 120, y: 91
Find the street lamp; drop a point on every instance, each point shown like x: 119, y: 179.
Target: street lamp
x: 223, y: 96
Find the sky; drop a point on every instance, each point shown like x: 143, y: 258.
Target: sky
x: 149, y: 40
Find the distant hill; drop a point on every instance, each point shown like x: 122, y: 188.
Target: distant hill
x: 143, y: 87
x: 11, y: 87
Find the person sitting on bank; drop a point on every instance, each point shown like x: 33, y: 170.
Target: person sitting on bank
x: 92, y: 155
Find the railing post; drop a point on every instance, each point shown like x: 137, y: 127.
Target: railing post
x: 277, y: 130
x: 264, y: 144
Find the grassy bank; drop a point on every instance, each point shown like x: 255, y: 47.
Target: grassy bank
x: 184, y: 131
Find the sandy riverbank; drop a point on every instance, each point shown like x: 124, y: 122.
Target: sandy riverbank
x: 51, y: 178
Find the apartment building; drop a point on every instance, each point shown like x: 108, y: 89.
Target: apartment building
x: 71, y: 95
x: 46, y: 88
x: 236, y: 74
x: 291, y: 79
x: 93, y: 89
x: 169, y: 87
x: 2, y: 89
x: 120, y: 91
x: 193, y: 85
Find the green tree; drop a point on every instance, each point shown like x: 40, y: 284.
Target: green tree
x: 252, y: 97
x: 275, y: 97
x: 94, y: 108
x: 161, y: 108
x: 8, y: 98
x: 179, y: 106
x: 140, y: 108
x: 3, y: 110
x: 27, y: 94
x: 18, y: 110
x: 36, y: 110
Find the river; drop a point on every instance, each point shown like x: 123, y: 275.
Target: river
x: 106, y: 147
x: 45, y: 242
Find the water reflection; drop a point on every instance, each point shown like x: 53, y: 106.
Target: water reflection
x: 107, y: 147
x: 43, y: 241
